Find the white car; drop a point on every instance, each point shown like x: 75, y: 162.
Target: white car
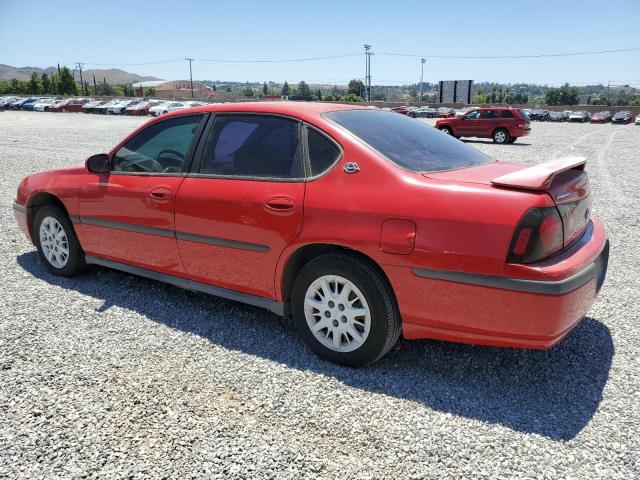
x: 121, y: 106
x: 44, y: 103
x: 638, y: 120
x: 189, y: 104
x: 104, y: 108
x: 164, y: 108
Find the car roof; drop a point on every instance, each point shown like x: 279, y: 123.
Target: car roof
x: 300, y: 110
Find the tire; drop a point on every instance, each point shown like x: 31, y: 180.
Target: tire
x: 47, y: 219
x: 446, y: 130
x: 500, y: 136
x: 379, y: 326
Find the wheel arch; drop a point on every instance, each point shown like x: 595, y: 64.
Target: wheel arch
x: 294, y: 263
x: 497, y: 129
x: 38, y: 200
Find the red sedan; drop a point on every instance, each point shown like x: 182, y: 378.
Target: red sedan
x: 361, y: 224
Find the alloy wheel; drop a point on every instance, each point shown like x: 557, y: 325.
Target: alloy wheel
x: 54, y: 242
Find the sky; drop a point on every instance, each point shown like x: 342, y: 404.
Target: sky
x: 126, y: 34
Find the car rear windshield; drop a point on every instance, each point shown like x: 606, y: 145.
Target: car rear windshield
x: 410, y: 144
x: 523, y: 114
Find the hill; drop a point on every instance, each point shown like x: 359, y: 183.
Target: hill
x: 112, y: 75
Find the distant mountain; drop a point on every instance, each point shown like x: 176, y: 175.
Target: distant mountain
x: 112, y: 75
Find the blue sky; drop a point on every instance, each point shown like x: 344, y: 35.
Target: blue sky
x: 136, y: 31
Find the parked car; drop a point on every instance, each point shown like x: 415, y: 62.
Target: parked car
x: 450, y: 238
x: 579, y: 116
x: 539, y: 114
x: 446, y: 112
x: 601, y: 117
x: 188, y: 104
x: 17, y: 104
x: 638, y: 120
x: 43, y: 103
x: 622, y: 117
x: 92, y: 107
x: 424, y: 112
x: 502, y: 124
x: 29, y: 104
x: 164, y: 108
x: 142, y: 108
x: 119, y: 107
x: 5, y: 102
x: 557, y: 117
x: 404, y: 110
x: 567, y: 114
x: 104, y: 108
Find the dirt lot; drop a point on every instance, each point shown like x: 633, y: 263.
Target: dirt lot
x: 111, y: 376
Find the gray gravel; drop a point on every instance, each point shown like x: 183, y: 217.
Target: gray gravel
x: 111, y: 376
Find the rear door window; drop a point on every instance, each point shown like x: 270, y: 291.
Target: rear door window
x: 261, y: 146
x: 323, y: 152
x: 489, y: 114
x: 507, y: 114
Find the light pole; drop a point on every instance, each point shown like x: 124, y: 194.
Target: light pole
x: 422, y: 60
x: 190, y: 74
x: 79, y: 65
x: 368, y: 54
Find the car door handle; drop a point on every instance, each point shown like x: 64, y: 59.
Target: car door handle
x: 159, y: 193
x: 280, y: 204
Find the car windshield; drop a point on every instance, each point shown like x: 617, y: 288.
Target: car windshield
x: 523, y: 114
x: 410, y: 144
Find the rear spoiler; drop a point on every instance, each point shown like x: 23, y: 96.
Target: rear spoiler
x: 539, y: 177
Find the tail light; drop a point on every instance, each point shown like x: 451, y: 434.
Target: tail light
x: 538, y: 235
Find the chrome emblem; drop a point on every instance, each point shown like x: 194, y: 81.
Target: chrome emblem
x: 351, y: 167
x: 560, y: 196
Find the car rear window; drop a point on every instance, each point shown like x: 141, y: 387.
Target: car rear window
x: 523, y: 114
x: 410, y: 144
x: 507, y: 114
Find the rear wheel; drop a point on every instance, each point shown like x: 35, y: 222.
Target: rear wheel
x: 56, y: 241
x: 501, y: 136
x: 344, y: 310
x: 446, y: 130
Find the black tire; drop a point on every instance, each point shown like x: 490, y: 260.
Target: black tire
x: 446, y: 130
x: 75, y: 263
x: 385, y: 325
x: 501, y: 136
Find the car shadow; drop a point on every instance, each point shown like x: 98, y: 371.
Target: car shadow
x: 553, y: 393
x: 491, y: 142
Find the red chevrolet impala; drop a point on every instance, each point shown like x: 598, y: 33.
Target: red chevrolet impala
x: 362, y: 224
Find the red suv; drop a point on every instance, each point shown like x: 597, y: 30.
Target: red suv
x: 504, y: 125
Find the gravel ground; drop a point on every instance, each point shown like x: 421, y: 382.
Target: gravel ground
x: 112, y: 376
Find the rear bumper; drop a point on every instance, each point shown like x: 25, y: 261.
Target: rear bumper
x: 502, y: 311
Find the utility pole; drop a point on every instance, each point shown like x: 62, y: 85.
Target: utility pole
x: 190, y: 74
x: 422, y: 60
x: 368, y: 54
x: 79, y: 65
x: 608, y: 97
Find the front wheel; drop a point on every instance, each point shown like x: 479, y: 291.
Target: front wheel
x: 446, y: 130
x: 56, y: 241
x: 344, y: 310
x: 500, y: 136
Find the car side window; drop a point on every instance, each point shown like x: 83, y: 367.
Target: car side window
x: 160, y: 148
x: 507, y: 114
x: 473, y: 115
x: 323, y: 153
x: 262, y: 146
x: 488, y: 114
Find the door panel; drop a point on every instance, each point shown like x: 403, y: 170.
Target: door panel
x: 130, y: 218
x: 231, y: 232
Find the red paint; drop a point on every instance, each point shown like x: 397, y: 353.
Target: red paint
x: 486, y: 123
x: 457, y: 221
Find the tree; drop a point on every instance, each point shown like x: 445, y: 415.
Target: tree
x: 352, y: 97
x: 286, y: 91
x: 356, y: 87
x: 480, y: 98
x: 34, y: 84
x: 329, y: 98
x: 493, y: 94
x: 247, y: 92
x: 149, y: 92
x: 303, y: 89
x: 319, y: 95
x: 46, y: 83
x: 66, y: 83
x: 265, y: 89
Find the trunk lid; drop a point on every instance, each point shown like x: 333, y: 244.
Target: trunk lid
x: 563, y: 179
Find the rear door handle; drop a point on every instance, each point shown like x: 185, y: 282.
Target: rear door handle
x: 280, y: 204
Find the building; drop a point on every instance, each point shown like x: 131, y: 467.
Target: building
x: 174, y: 89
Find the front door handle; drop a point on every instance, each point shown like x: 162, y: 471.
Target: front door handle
x: 280, y: 204
x: 160, y: 193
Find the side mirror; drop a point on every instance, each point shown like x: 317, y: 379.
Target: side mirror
x: 98, y: 163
